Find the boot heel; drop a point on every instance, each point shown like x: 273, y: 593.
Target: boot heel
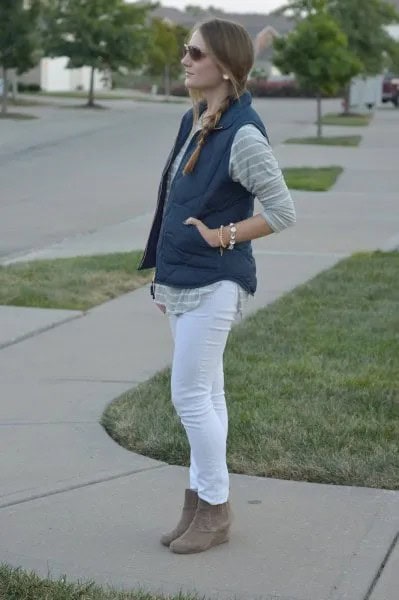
x: 222, y: 537
x: 210, y: 527
x: 188, y: 513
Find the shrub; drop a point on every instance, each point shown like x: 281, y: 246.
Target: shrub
x: 176, y: 89
x: 264, y: 88
x: 259, y: 88
x: 278, y: 88
x: 28, y: 87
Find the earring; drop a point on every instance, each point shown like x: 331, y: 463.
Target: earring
x: 225, y: 76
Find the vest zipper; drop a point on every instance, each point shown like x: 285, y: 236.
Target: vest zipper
x: 169, y: 162
x: 187, y: 152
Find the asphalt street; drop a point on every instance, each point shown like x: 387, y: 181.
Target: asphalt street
x: 74, y: 171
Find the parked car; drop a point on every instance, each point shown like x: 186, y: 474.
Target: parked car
x: 390, y: 89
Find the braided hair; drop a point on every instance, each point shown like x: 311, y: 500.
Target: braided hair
x: 208, y: 125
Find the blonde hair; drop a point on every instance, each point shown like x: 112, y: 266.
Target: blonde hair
x: 231, y: 47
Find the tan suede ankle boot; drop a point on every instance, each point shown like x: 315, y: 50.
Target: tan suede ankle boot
x: 210, y: 526
x: 188, y: 513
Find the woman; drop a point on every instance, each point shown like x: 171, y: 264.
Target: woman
x: 200, y: 244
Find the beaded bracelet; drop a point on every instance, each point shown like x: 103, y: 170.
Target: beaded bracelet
x: 232, y: 241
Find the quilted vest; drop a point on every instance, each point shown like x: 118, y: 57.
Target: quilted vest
x: 179, y: 253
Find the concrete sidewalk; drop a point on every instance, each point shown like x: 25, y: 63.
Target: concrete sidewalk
x: 73, y: 502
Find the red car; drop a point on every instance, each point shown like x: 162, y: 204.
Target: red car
x: 390, y: 89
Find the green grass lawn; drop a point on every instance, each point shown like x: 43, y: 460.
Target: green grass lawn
x: 352, y: 120
x: 107, y: 96
x: 350, y: 140
x: 23, y: 102
x: 77, y: 94
x: 311, y: 179
x: 312, y: 385
x: 71, y: 283
x: 13, y: 116
x: 17, y: 584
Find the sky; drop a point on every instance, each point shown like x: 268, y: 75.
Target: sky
x: 237, y: 6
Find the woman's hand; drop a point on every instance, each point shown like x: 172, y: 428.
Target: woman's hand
x: 210, y: 235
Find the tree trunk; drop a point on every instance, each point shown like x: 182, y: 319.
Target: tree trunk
x: 167, y: 80
x: 14, y: 85
x: 5, y: 91
x: 347, y: 98
x: 319, y: 130
x: 91, y: 91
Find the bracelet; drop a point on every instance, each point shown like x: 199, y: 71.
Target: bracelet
x: 232, y: 241
x: 222, y: 244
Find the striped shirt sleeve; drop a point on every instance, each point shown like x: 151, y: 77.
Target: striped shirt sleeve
x: 253, y: 164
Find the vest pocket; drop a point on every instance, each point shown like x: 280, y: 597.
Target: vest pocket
x: 194, y: 252
x: 172, y: 251
x: 185, y: 237
x: 200, y: 239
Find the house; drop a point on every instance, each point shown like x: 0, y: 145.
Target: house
x: 263, y: 47
x: 52, y: 75
x: 262, y: 28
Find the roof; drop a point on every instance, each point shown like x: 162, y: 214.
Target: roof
x: 254, y: 23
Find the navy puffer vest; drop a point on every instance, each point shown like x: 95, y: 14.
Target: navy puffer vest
x: 180, y: 254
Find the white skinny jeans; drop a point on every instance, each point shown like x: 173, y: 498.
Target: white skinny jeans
x: 197, y: 384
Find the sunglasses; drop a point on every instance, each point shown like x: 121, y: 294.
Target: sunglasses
x: 194, y: 52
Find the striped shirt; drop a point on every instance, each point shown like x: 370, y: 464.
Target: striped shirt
x: 254, y: 166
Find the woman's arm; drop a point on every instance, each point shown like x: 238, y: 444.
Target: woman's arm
x: 254, y: 166
x: 249, y: 229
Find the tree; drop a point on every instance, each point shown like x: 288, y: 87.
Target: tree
x: 197, y: 11
x: 194, y: 10
x: 317, y: 52
x: 363, y: 23
x: 101, y: 34
x: 165, y: 52
x: 217, y: 12
x: 19, y: 40
x: 392, y: 57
